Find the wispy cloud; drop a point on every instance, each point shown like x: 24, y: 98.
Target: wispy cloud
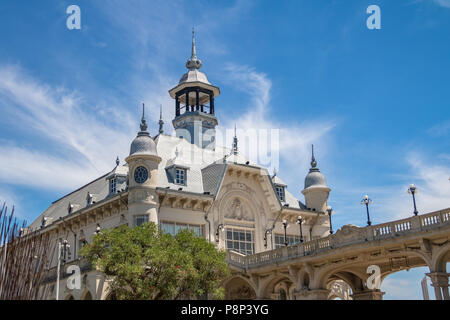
x: 81, y: 144
x: 295, y: 137
x: 440, y: 129
x: 443, y: 3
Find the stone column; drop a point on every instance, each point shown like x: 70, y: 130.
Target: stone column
x: 368, y: 295
x: 439, y: 280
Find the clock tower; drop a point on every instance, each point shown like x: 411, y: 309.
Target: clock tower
x: 143, y: 164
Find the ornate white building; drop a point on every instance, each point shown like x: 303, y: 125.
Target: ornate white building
x: 187, y: 181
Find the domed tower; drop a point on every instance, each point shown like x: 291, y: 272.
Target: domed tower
x: 316, y: 191
x: 143, y: 176
x: 194, y: 119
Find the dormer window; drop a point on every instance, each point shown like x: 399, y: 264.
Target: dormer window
x: 113, y: 185
x: 180, y: 176
x: 280, y: 193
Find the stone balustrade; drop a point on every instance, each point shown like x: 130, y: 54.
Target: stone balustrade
x: 382, y: 231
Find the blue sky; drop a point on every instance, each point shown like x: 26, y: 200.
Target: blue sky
x: 376, y: 103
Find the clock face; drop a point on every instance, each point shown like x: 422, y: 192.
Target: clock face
x: 140, y: 175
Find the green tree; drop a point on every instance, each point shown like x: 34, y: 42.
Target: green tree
x: 143, y: 263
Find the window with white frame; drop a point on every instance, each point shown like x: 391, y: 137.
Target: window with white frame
x: 180, y: 176
x: 280, y: 193
x: 240, y: 240
x: 140, y: 219
x: 174, y: 227
x: 291, y: 240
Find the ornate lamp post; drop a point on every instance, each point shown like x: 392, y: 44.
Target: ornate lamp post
x: 299, y: 222
x: 413, y: 190
x: 285, y: 235
x: 63, y: 249
x: 97, y: 230
x: 330, y: 211
x: 220, y: 227
x: 366, y: 201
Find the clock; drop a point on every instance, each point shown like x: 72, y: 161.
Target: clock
x: 140, y: 174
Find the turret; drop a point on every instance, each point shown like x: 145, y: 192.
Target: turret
x: 143, y: 164
x: 316, y: 191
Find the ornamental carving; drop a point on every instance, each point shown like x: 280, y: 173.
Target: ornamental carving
x: 236, y: 210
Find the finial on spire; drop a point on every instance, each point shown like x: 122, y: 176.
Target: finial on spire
x: 117, y: 161
x: 193, y: 51
x: 313, y: 160
x: 193, y: 62
x: 161, y: 122
x: 143, y: 121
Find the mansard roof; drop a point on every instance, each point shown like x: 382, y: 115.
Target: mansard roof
x: 206, y: 170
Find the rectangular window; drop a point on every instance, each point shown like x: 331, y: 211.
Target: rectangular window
x: 280, y: 193
x: 240, y: 240
x: 180, y: 176
x: 173, y: 228
x: 112, y: 185
x: 140, y: 219
x: 291, y: 240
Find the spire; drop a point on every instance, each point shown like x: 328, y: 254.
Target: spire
x: 193, y: 51
x: 193, y: 63
x: 161, y: 122
x: 143, y: 122
x: 235, y: 142
x: 313, y: 161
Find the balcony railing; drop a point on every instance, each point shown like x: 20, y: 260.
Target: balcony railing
x: 391, y: 229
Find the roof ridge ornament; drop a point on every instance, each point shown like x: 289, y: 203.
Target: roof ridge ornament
x: 313, y: 159
x: 193, y: 63
x: 143, y: 121
x: 235, y: 142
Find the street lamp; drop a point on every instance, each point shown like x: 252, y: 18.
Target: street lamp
x: 268, y: 231
x: 220, y: 227
x: 366, y: 201
x: 299, y: 222
x: 97, y: 230
x: 330, y: 211
x: 413, y: 190
x: 63, y: 249
x: 285, y: 236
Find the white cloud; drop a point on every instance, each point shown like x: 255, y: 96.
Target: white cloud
x: 70, y: 132
x: 295, y: 138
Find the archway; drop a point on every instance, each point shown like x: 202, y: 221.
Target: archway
x: 237, y: 288
x: 87, y: 296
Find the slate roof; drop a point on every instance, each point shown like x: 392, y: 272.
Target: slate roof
x: 205, y: 174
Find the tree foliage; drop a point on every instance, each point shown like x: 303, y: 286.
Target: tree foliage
x: 143, y: 263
